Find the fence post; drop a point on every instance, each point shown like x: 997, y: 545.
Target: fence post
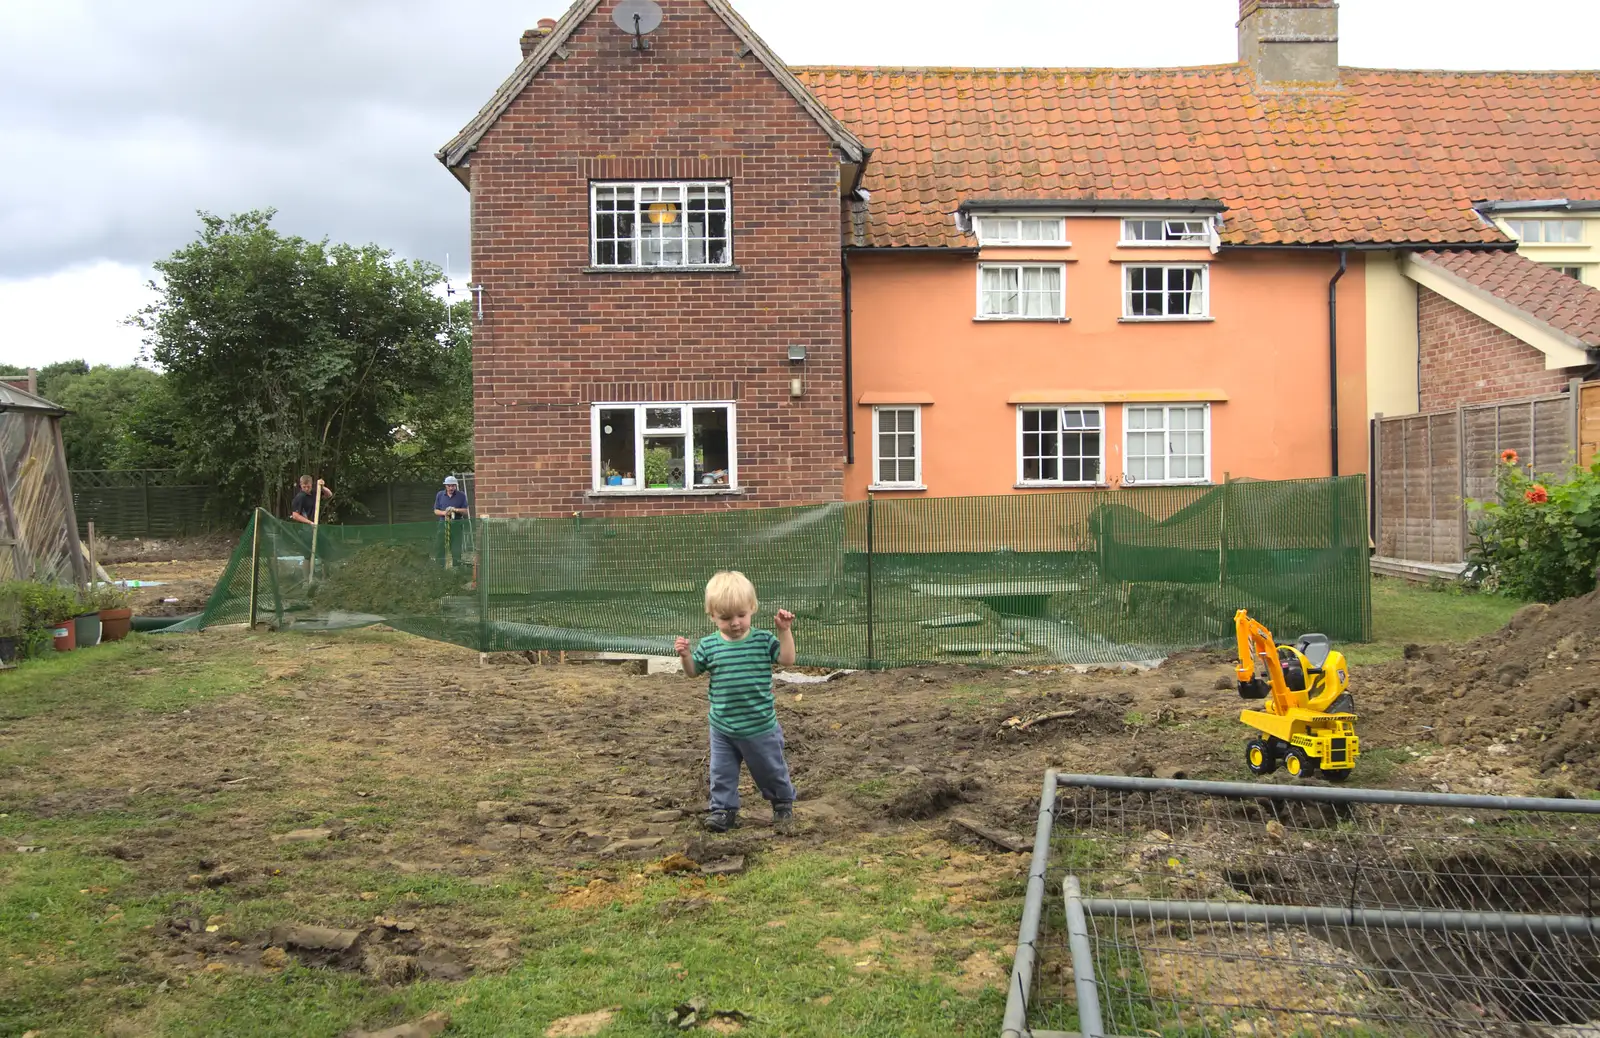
x: 480, y: 564
x: 1462, y: 459
x: 144, y: 481
x: 1222, y: 533
x: 1575, y: 417
x: 255, y: 563
x: 388, y: 489
x: 870, y: 518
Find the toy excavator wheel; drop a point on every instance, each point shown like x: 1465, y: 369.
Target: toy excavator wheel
x: 1298, y: 763
x: 1337, y: 774
x: 1258, y: 757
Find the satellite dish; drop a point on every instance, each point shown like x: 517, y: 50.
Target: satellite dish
x: 638, y: 17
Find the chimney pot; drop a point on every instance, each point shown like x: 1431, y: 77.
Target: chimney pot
x: 533, y: 37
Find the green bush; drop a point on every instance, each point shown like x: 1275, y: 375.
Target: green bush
x: 1540, y: 539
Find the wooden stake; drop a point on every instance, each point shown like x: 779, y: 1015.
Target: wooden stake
x: 94, y: 554
x: 255, y: 564
x: 316, y: 520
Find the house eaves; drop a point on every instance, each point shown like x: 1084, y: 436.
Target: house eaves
x: 454, y: 155
x: 1560, y: 349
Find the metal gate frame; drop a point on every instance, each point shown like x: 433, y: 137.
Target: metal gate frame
x: 1079, y: 909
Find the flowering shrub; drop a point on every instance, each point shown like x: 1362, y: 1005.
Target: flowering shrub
x: 1540, y: 540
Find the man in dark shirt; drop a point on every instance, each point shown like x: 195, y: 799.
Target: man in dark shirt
x: 450, y: 505
x: 304, y: 509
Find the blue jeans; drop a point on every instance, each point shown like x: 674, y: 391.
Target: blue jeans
x: 763, y: 755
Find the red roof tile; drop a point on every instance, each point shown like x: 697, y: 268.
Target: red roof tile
x: 1542, y: 292
x: 1384, y: 157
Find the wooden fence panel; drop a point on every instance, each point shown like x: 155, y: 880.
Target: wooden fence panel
x: 1430, y: 464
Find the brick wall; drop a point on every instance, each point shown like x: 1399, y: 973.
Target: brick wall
x: 555, y: 338
x: 1466, y: 360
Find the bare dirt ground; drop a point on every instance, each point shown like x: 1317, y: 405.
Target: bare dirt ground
x: 378, y: 754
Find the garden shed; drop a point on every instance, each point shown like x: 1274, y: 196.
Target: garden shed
x: 38, y: 530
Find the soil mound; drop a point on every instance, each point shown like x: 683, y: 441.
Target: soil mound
x: 1531, y: 688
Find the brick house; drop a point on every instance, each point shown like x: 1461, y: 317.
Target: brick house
x: 708, y: 279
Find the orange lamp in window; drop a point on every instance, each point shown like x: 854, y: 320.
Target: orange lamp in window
x: 663, y: 212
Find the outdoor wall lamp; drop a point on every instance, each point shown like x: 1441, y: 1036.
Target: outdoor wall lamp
x: 797, y: 385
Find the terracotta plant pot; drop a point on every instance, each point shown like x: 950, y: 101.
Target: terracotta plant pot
x: 115, y: 624
x: 65, y: 635
x: 88, y: 630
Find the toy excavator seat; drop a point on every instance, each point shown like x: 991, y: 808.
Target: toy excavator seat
x: 1313, y: 649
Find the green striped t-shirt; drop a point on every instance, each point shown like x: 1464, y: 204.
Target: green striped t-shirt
x: 741, y: 682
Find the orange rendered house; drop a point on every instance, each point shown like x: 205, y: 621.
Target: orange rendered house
x: 708, y: 279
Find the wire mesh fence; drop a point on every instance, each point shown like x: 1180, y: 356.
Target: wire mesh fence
x: 1200, y: 909
x: 1074, y: 578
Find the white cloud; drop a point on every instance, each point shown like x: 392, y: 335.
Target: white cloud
x: 73, y: 314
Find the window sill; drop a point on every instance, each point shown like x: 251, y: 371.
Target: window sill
x: 1165, y: 320
x: 729, y: 269
x: 1169, y: 483
x: 1037, y: 485
x: 665, y: 492
x: 889, y: 488
x: 1163, y: 245
x: 1024, y: 244
x: 1026, y: 320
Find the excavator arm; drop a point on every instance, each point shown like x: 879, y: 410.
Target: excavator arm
x: 1260, y: 672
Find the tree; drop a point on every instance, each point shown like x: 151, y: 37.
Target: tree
x: 288, y: 356
x: 102, y: 401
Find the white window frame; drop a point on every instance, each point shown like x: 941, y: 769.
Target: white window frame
x: 683, y: 187
x: 597, y: 479
x: 1021, y: 266
x: 1206, y: 234
x: 1516, y: 225
x: 1023, y: 481
x: 1571, y: 270
x: 1061, y: 242
x: 1166, y: 418
x: 879, y: 483
x: 1205, y: 291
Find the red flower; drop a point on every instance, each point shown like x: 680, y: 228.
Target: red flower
x: 1537, y: 494
x: 1509, y: 457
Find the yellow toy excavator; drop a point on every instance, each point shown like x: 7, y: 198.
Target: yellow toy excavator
x: 1308, y: 721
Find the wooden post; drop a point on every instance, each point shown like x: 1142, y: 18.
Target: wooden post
x: 1461, y: 473
x: 1375, y: 486
x: 66, y: 494
x: 316, y: 521
x: 255, y: 564
x: 94, y: 555
x: 1575, y: 417
x: 1222, y: 533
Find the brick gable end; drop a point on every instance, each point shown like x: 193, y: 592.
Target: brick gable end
x: 1466, y: 360
x: 554, y: 338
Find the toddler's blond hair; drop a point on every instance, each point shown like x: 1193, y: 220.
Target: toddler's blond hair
x: 730, y: 591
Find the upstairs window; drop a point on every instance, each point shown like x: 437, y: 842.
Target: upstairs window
x: 1188, y: 231
x: 1021, y: 291
x: 1021, y: 230
x: 1165, y: 292
x: 1547, y: 232
x: 657, y: 224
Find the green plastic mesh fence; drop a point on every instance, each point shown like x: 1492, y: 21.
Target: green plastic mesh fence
x: 1037, y: 579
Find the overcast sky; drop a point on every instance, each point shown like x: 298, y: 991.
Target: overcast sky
x: 121, y: 119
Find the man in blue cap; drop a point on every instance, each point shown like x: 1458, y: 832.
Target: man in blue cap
x: 450, y: 505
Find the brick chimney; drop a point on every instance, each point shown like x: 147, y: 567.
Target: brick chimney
x: 1290, y: 42
x: 532, y: 37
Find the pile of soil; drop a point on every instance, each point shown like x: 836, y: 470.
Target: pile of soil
x: 1530, y: 690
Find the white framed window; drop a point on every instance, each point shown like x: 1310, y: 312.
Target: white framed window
x: 664, y: 447
x: 1575, y: 272
x: 1547, y: 232
x: 1187, y: 230
x: 1021, y: 230
x: 1166, y: 291
x: 661, y: 224
x: 1060, y: 446
x: 1166, y: 443
x: 897, y: 447
x: 1022, y: 291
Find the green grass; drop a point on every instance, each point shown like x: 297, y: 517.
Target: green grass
x: 1404, y: 614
